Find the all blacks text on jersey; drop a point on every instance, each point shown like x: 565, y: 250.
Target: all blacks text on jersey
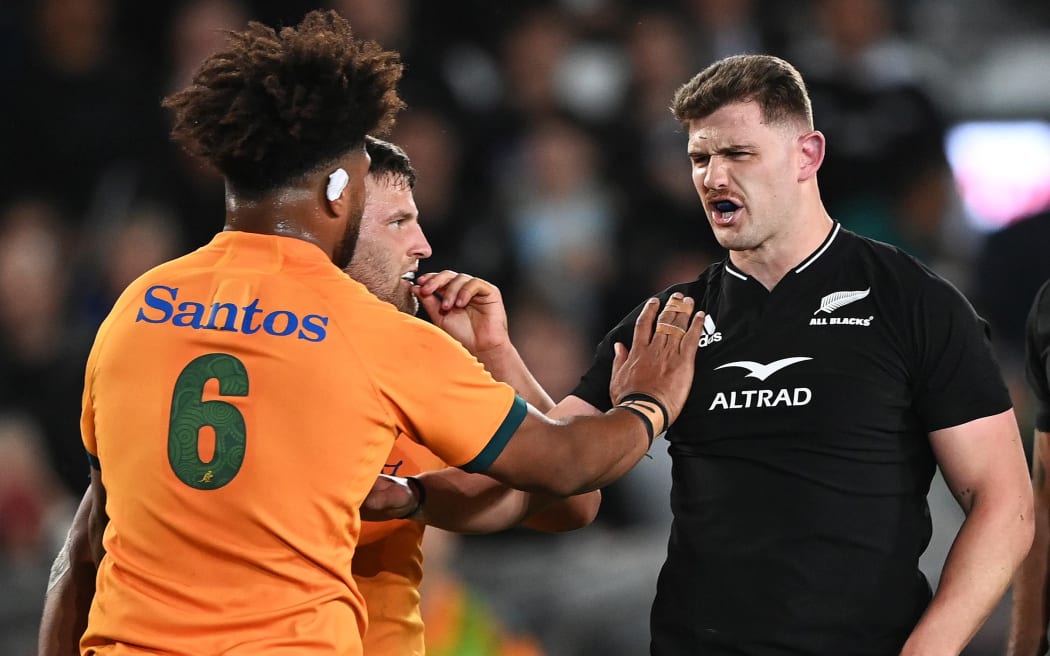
x: 841, y: 321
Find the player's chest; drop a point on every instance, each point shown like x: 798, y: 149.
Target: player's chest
x: 798, y: 358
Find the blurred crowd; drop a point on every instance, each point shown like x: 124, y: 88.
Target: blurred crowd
x: 548, y: 163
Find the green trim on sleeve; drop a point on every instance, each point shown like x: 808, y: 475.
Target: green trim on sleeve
x: 94, y: 461
x: 488, y: 455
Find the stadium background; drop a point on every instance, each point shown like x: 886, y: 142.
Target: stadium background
x: 548, y: 164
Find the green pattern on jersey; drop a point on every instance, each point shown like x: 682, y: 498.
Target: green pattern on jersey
x: 189, y: 414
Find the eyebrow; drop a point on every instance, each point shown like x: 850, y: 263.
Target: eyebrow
x: 724, y: 149
x: 405, y: 216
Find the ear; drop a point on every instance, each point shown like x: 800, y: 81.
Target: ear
x: 810, y: 154
x: 335, y: 191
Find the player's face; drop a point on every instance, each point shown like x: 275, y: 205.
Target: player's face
x: 391, y: 242
x: 745, y: 172
x: 357, y: 169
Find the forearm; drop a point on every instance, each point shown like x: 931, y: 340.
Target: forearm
x: 1028, y: 618
x: 505, y: 365
x: 472, y: 503
x: 580, y: 455
x: 71, y: 588
x: 991, y: 543
x: 557, y: 515
x: 1029, y: 615
x: 66, y: 611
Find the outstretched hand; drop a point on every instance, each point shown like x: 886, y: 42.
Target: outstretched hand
x: 662, y: 356
x: 467, y: 308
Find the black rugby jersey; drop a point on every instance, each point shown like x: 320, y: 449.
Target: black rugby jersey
x: 801, y: 462
x: 1037, y: 355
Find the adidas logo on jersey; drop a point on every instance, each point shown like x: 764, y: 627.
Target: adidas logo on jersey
x: 710, y: 335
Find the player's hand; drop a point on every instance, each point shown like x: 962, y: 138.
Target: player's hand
x: 467, y: 308
x: 662, y: 356
x: 391, y: 497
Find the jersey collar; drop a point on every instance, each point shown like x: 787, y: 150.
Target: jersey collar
x: 821, y: 250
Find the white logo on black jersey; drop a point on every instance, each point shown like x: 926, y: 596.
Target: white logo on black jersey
x: 762, y: 398
x: 763, y: 371
x: 710, y: 335
x: 832, y: 302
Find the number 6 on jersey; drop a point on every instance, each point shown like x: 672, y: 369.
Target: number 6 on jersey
x: 190, y: 413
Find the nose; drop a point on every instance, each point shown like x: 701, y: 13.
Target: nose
x: 715, y: 175
x: 420, y: 246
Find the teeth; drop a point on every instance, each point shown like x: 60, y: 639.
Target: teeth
x: 410, y: 276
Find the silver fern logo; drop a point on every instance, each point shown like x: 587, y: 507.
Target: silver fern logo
x: 832, y: 302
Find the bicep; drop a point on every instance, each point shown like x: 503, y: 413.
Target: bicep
x: 982, y: 457
x: 528, y: 455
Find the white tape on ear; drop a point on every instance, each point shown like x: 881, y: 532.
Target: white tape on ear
x: 337, y: 181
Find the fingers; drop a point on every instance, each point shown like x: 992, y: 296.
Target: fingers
x: 691, y: 341
x: 674, y: 318
x: 619, y: 355
x: 456, y: 289
x: 431, y: 304
x: 643, y: 325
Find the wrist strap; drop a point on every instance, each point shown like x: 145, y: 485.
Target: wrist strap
x: 649, y: 409
x: 420, y: 491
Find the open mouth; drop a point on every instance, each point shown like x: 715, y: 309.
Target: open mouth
x: 410, y: 276
x: 723, y: 210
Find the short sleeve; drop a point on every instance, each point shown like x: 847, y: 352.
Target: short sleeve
x: 87, y: 411
x: 958, y: 378
x: 444, y: 398
x: 594, y: 384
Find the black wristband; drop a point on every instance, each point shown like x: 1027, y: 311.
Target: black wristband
x: 648, y: 422
x: 647, y: 398
x: 420, y: 491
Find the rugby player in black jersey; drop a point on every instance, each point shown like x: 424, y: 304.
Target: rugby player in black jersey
x: 1031, y: 602
x: 834, y: 375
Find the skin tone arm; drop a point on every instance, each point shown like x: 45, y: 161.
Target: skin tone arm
x: 1030, y: 615
x: 490, y: 506
x: 472, y: 311
x: 72, y: 583
x: 984, y: 466
x: 497, y: 507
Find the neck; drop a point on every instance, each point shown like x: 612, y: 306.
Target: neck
x: 289, y: 212
x: 782, y: 252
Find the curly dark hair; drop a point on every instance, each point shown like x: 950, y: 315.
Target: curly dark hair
x: 274, y: 106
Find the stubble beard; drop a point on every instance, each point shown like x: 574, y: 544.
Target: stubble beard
x: 344, y: 250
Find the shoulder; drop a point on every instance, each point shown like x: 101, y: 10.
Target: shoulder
x: 699, y: 287
x: 888, y: 264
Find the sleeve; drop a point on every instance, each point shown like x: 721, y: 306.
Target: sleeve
x: 1037, y: 351
x: 87, y: 411
x: 594, y: 384
x: 444, y: 397
x: 958, y: 378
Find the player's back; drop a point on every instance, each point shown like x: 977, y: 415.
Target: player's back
x: 237, y: 433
